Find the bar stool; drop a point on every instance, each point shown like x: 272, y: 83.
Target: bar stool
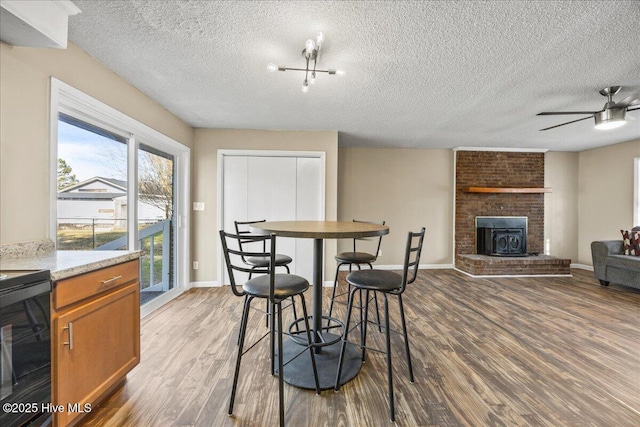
x: 386, y: 283
x: 242, y: 229
x: 357, y: 258
x: 274, y: 288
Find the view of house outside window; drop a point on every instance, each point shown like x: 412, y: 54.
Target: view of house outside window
x: 92, y: 199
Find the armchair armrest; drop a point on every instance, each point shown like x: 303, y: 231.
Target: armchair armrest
x: 600, y: 250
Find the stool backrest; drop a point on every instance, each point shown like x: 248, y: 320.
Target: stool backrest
x: 234, y: 258
x: 412, y: 258
x: 378, y: 239
x: 242, y: 229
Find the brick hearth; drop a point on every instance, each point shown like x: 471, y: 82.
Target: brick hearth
x: 484, y: 265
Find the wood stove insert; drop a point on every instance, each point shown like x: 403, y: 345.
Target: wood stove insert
x: 501, y: 236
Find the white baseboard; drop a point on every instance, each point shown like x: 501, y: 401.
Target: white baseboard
x: 329, y: 284
x: 582, y: 266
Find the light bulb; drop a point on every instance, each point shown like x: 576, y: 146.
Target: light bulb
x: 310, y: 45
x: 305, y: 86
x: 313, y: 78
x: 340, y: 72
x: 319, y: 39
x: 272, y: 67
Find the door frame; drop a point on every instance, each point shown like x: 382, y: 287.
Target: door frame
x: 222, y: 153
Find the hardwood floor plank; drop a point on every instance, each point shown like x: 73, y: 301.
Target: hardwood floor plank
x: 560, y: 351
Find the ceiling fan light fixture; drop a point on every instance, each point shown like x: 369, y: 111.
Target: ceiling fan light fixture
x: 610, y: 118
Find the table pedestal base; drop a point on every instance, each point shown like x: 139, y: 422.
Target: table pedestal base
x: 299, y: 372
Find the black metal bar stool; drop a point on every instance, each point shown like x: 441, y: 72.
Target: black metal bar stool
x: 242, y: 229
x: 275, y: 288
x: 386, y: 283
x: 357, y: 258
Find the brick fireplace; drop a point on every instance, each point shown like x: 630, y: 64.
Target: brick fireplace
x: 499, y: 184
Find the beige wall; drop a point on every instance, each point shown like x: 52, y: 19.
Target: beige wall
x: 409, y: 189
x: 204, y: 247
x: 605, y: 190
x: 592, y: 191
x: 561, y: 205
x: 24, y: 127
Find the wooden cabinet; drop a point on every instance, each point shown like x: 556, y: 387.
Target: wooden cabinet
x: 96, y: 327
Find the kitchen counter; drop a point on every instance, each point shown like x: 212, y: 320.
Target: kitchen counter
x: 64, y: 264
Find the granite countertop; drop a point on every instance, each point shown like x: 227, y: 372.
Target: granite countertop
x: 64, y: 264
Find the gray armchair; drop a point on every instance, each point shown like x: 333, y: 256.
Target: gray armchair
x: 610, y: 265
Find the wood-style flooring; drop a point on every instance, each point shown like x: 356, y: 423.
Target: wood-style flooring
x: 559, y: 351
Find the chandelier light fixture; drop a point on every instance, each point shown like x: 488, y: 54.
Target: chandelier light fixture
x: 310, y: 53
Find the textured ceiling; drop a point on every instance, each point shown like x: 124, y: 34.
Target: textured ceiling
x: 418, y: 74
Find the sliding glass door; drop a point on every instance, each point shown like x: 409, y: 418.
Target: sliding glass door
x: 93, y: 199
x: 120, y: 186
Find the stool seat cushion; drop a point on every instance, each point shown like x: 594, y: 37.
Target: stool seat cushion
x: 261, y: 261
x: 355, y: 257
x: 376, y: 280
x: 285, y: 286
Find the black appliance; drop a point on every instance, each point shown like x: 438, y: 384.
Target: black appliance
x: 25, y: 347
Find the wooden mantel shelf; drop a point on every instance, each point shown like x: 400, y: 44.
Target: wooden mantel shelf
x: 505, y: 190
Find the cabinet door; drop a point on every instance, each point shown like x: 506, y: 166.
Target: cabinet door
x: 96, y: 344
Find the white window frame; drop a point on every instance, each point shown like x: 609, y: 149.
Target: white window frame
x: 69, y: 100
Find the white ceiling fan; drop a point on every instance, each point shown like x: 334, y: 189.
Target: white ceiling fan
x: 612, y: 115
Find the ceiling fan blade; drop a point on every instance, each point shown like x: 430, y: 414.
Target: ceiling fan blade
x: 547, y: 113
x: 567, y: 123
x: 632, y: 109
x: 633, y: 99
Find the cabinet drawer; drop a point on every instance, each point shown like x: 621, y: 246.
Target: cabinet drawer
x: 74, y: 289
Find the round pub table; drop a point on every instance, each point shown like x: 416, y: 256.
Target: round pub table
x: 298, y: 372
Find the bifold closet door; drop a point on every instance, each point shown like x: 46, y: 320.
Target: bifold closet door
x: 275, y: 188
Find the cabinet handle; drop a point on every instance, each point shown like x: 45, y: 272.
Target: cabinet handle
x: 70, y: 342
x: 110, y: 281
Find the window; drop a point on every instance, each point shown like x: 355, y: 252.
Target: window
x: 119, y: 185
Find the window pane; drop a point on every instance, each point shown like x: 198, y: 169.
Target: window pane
x: 156, y: 225
x: 92, y: 187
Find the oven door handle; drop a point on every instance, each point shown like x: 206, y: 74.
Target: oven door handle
x: 69, y: 328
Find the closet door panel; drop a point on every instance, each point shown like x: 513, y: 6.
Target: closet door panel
x: 235, y: 191
x: 272, y: 195
x: 235, y: 181
x: 308, y: 208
